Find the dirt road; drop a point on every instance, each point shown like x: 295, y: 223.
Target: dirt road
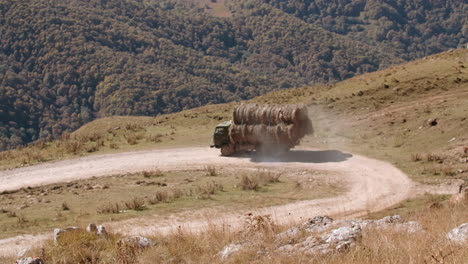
x: 373, y: 185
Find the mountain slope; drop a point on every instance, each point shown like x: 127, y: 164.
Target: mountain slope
x: 64, y: 64
x: 382, y: 114
x: 411, y: 28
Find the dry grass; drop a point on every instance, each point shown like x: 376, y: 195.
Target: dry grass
x: 416, y: 157
x: 121, y: 197
x: 211, y: 171
x: 260, y: 244
x: 357, y: 115
x: 137, y: 204
x: 205, y: 191
x: 259, y: 179
x: 249, y: 183
x: 162, y: 196
x: 110, y: 208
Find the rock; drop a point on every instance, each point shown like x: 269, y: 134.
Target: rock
x: 396, y: 222
x: 91, y: 228
x: 343, y: 234
x: 318, y: 223
x: 320, y: 249
x: 344, y: 246
x: 59, y: 231
x: 139, y: 242
x: 337, y: 240
x: 361, y: 223
x: 309, y: 243
x: 432, y: 122
x: 30, y: 260
x: 25, y: 251
x: 101, y: 231
x: 459, y: 234
x: 389, y: 220
x: 229, y: 250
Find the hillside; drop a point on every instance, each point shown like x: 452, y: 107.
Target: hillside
x: 412, y: 29
x: 64, y: 64
x: 383, y: 114
x: 412, y: 115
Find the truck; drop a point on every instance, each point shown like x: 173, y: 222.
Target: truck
x: 267, y: 129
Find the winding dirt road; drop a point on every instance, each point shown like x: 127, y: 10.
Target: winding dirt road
x: 373, y: 185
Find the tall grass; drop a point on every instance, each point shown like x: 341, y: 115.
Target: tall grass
x: 260, y: 245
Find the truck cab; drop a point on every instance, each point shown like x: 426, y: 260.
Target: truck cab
x: 221, y: 134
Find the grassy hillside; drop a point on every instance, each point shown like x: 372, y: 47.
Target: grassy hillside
x: 154, y: 194
x: 413, y: 115
x: 383, y: 114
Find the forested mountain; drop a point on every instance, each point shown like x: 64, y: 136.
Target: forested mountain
x: 64, y: 63
x: 412, y: 28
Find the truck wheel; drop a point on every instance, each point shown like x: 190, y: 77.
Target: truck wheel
x: 227, y: 150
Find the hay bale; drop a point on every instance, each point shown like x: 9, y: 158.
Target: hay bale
x: 270, y: 115
x: 256, y: 124
x: 265, y: 135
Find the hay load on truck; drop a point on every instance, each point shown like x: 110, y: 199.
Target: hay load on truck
x: 268, y: 129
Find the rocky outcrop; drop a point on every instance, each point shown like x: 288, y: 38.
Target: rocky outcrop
x: 102, y: 232
x: 332, y: 236
x: 318, y: 224
x: 337, y: 240
x: 99, y: 230
x: 92, y: 228
x: 459, y: 234
x: 138, y: 242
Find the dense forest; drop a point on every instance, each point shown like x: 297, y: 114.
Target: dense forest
x: 65, y: 63
x: 412, y: 28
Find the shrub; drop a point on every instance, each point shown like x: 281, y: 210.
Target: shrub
x: 156, y: 138
x: 110, y: 208
x: 65, y: 206
x: 249, y: 183
x: 177, y: 193
x: 71, y: 146
x: 416, y: 157
x: 133, y: 127
x: 80, y: 247
x: 131, y: 139
x: 266, y: 177
x: 136, y: 204
x: 159, y: 197
x: 211, y: 171
x: 151, y: 174
x: 92, y: 148
x: 11, y: 214
x: 434, y: 158
x: 205, y: 191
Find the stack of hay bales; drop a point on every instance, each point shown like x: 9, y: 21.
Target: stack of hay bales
x: 256, y: 124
